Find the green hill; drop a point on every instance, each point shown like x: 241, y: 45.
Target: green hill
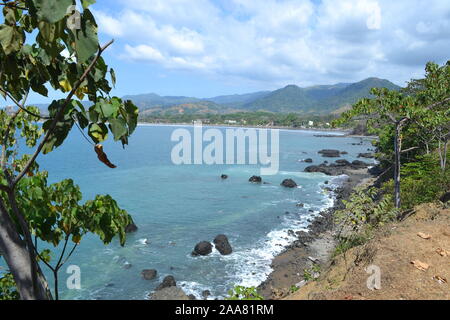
x: 317, y: 99
x: 314, y: 100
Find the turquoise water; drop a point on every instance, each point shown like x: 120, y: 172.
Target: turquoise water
x: 176, y: 207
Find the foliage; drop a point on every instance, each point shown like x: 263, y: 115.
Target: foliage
x: 422, y: 181
x: 41, y: 50
x: 366, y: 206
x: 244, y: 293
x: 293, y: 289
x: 8, y: 288
x: 310, y: 274
x: 347, y: 242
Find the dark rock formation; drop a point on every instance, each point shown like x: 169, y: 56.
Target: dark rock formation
x: 202, y: 249
x: 206, y: 294
x: 309, y: 160
x: 149, y: 274
x: 224, y: 177
x: 330, y: 153
x: 168, y: 281
x: 222, y: 245
x: 337, y: 168
x: 289, y: 183
x: 131, y: 228
x: 366, y: 155
x: 192, y: 297
x: 342, y: 163
x: 255, y: 179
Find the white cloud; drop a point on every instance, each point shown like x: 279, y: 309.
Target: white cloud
x: 280, y: 42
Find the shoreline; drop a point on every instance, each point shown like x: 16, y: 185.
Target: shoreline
x: 313, y: 247
x: 346, y: 133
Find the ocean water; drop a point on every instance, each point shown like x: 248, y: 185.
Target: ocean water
x: 175, y: 207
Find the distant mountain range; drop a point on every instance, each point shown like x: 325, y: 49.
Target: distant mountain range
x: 315, y: 100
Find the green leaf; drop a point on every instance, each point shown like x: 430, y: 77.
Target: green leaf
x: 11, y: 39
x: 118, y: 128
x: 58, y: 135
x: 98, y: 132
x: 87, y: 3
x: 113, y: 77
x: 52, y: 10
x: 86, y: 38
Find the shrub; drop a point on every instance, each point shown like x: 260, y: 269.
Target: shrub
x: 8, y: 288
x: 244, y: 293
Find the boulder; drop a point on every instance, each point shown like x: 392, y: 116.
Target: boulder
x: 131, y: 228
x: 289, y: 183
x: 192, y: 297
x: 445, y: 198
x: 255, y: 179
x: 222, y: 245
x: 366, y: 155
x: 330, y: 153
x: 309, y: 160
x: 169, y: 293
x: 149, y: 274
x: 344, y: 152
x: 168, y: 281
x: 224, y: 177
x: 206, y: 294
x: 360, y: 164
x: 342, y: 162
x: 202, y: 249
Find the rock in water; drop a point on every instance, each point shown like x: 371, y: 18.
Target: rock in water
x: 224, y: 177
x: 255, y: 179
x: 289, y: 183
x: 309, y: 160
x: 330, y: 153
x: 222, y: 245
x: 131, y: 228
x: 149, y: 274
x: 206, y: 294
x: 202, y: 249
x: 168, y: 282
x: 366, y: 155
x: 169, y: 293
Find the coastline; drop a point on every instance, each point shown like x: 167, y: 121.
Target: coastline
x: 344, y: 131
x: 314, y: 247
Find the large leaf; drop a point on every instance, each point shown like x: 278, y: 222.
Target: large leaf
x: 52, y: 10
x: 58, y: 135
x: 86, y: 38
x: 118, y: 128
x: 11, y: 39
x: 98, y: 132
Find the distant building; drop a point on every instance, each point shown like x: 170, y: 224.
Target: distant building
x: 231, y: 121
x: 311, y: 123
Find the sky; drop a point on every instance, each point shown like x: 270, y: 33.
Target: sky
x: 206, y: 48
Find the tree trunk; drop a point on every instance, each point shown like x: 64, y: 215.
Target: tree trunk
x: 17, y: 257
x: 397, y: 147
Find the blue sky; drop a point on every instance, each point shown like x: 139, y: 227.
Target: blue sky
x: 206, y: 48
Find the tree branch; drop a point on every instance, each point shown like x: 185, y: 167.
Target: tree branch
x: 60, y: 114
x: 22, y: 105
